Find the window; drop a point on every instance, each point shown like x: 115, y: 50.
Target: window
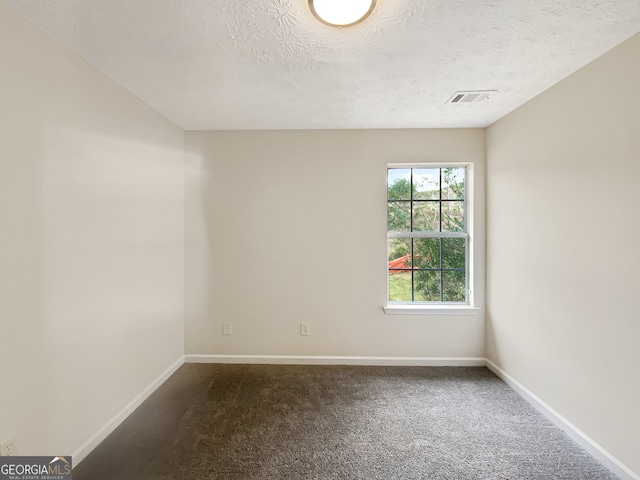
x: 428, y: 235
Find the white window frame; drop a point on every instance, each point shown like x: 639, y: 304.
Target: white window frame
x: 439, y: 308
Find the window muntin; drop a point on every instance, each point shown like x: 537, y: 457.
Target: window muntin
x: 427, y: 235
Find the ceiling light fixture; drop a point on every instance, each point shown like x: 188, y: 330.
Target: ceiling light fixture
x: 341, y: 13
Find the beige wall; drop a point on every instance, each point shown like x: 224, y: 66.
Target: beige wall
x: 91, y: 243
x: 290, y: 226
x: 563, y: 257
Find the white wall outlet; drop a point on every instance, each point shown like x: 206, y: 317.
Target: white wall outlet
x: 304, y: 329
x: 226, y: 328
x: 8, y: 448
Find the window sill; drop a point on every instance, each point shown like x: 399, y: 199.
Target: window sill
x: 430, y: 310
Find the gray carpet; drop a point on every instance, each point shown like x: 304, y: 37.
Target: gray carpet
x: 327, y: 422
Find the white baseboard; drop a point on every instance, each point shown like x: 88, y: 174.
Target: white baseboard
x: 339, y: 360
x: 577, y: 435
x: 82, y: 452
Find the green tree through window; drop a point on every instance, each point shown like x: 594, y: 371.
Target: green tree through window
x: 427, y: 234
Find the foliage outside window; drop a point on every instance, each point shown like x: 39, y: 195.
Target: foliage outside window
x: 427, y: 235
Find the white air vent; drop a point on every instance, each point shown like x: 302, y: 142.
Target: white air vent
x: 475, y: 96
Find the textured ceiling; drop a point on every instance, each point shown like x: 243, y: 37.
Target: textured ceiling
x: 269, y: 64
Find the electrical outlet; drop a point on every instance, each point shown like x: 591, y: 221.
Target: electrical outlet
x: 8, y: 448
x: 304, y: 329
x: 226, y: 328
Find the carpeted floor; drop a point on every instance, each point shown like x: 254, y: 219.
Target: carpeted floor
x: 251, y: 422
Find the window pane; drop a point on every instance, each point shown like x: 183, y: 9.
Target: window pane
x: 399, y: 184
x: 426, y: 253
x: 426, y: 216
x: 400, y: 286
x: 453, y: 183
x: 453, y: 253
x: 426, y: 184
x: 398, y: 249
x: 399, y: 216
x: 454, y: 287
x: 426, y: 286
x: 453, y: 216
x: 427, y: 199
